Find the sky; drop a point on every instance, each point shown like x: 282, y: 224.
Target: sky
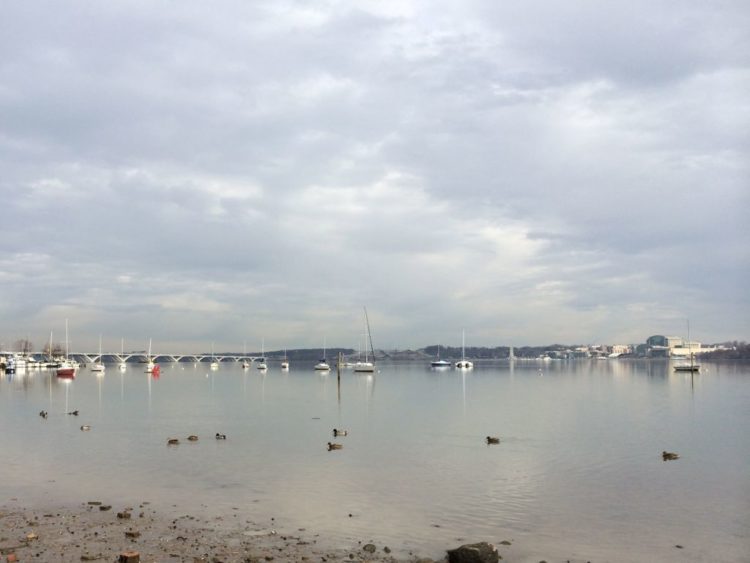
x: 255, y: 173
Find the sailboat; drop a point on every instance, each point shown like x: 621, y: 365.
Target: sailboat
x: 322, y: 364
x: 692, y: 366
x: 214, y: 364
x: 463, y: 363
x: 98, y: 366
x: 245, y: 363
x: 150, y: 365
x: 67, y: 369
x: 440, y: 363
x: 366, y: 366
x: 50, y: 361
x: 262, y: 365
x: 122, y: 365
x: 284, y: 362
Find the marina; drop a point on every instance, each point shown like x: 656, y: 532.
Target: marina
x: 577, y: 472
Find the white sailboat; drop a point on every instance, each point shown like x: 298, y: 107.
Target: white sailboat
x: 150, y: 365
x: 122, y: 365
x: 98, y: 366
x: 322, y: 364
x: 245, y: 363
x: 262, y: 365
x: 285, y: 362
x: 463, y: 363
x: 214, y: 364
x: 366, y: 366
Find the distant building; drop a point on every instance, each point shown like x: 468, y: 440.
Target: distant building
x: 659, y: 346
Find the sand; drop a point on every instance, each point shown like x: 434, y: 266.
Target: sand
x: 96, y: 531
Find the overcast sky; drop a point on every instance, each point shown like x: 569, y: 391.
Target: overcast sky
x: 231, y: 172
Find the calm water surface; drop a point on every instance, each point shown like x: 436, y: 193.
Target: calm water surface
x: 578, y: 474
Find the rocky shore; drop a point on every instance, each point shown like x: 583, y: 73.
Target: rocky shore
x: 96, y: 531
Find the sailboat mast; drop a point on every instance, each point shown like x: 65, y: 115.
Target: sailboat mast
x: 369, y: 335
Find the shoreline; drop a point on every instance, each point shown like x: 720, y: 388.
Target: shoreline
x: 97, y: 531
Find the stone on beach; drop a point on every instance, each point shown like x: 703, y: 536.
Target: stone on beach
x: 130, y: 557
x: 481, y: 552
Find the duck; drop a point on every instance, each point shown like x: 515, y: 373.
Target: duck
x: 493, y: 440
x: 193, y: 438
x: 43, y: 414
x: 172, y: 441
x: 74, y: 413
x: 669, y: 456
x: 85, y: 427
x: 221, y: 436
x: 337, y: 432
x: 334, y: 446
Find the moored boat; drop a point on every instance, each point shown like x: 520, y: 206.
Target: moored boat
x: 366, y: 366
x: 463, y: 363
x: 67, y: 368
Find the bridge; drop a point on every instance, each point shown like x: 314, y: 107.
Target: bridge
x: 143, y: 357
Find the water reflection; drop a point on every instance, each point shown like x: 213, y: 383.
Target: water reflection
x: 585, y: 434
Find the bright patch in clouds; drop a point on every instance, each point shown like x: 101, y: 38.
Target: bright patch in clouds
x: 528, y: 171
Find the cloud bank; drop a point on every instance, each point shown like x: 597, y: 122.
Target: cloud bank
x: 247, y: 171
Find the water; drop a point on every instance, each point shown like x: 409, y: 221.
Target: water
x: 578, y: 473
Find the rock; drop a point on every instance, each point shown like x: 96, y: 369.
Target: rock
x: 369, y: 548
x: 123, y: 515
x: 505, y: 542
x: 130, y: 557
x: 105, y: 507
x: 132, y: 534
x: 481, y: 552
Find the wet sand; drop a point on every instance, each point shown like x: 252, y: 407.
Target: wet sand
x: 96, y: 531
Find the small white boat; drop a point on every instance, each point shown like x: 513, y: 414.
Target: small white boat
x: 284, y: 362
x: 262, y: 365
x: 463, y: 363
x: 366, y: 366
x: 322, y: 364
x: 98, y: 366
x: 150, y: 365
x: 122, y: 366
x: 214, y: 364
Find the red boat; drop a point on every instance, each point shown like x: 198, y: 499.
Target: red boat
x: 66, y: 372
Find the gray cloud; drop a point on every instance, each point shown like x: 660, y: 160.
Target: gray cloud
x: 573, y: 173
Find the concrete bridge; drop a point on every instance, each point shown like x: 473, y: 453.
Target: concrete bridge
x: 142, y: 357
